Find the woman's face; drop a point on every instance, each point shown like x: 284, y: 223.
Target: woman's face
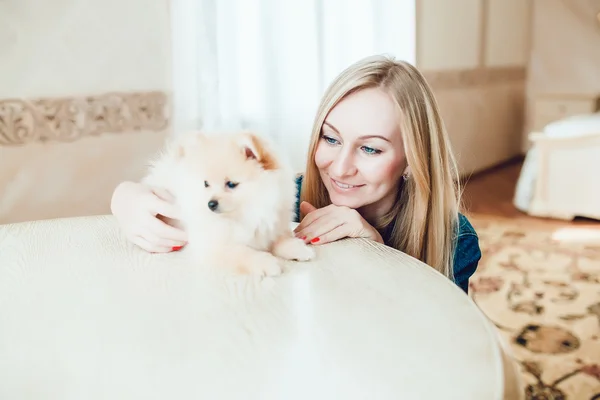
x: 360, y: 154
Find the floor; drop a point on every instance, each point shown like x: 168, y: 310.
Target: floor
x: 491, y: 193
x: 539, y: 286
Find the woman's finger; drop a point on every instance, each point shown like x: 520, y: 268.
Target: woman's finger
x: 163, y: 230
x: 339, y: 232
x: 160, y: 241
x: 164, y: 208
x: 163, y: 194
x: 314, y: 231
x: 149, y: 247
x: 314, y: 216
x: 306, y: 207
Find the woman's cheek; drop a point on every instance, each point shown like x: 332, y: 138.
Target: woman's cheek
x: 392, y: 168
x: 381, y: 169
x: 322, y: 157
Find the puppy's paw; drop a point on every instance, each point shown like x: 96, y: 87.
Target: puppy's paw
x: 262, y: 264
x: 293, y: 249
x: 271, y: 267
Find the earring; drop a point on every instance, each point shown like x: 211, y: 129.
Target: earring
x: 405, y: 176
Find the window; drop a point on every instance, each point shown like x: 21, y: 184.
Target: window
x: 264, y: 64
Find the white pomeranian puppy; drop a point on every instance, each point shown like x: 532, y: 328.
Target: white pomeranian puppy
x: 236, y: 201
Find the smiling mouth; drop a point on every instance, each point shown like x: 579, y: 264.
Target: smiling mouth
x: 344, y: 185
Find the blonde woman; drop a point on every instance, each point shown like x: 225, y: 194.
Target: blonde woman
x: 379, y: 167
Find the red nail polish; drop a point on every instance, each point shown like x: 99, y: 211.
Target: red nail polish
x: 303, y: 237
x: 177, y: 248
x: 315, y: 240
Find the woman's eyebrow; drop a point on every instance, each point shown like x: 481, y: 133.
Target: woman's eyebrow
x: 375, y: 136
x: 332, y: 127
x: 361, y: 137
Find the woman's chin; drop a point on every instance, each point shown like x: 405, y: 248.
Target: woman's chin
x: 344, y: 201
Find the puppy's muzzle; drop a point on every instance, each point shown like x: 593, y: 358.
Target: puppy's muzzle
x: 213, y: 205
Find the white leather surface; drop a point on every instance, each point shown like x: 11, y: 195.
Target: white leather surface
x: 86, y: 315
x: 577, y: 125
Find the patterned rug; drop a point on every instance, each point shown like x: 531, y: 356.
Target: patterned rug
x: 540, y: 285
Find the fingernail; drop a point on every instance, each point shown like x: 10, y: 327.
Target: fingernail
x: 303, y: 238
x: 315, y: 240
x: 177, y: 248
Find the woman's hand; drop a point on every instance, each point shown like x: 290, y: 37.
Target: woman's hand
x: 333, y: 222
x: 137, y: 208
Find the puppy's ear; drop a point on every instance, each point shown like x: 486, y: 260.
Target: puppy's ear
x: 253, y: 147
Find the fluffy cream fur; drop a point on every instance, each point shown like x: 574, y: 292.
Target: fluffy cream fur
x: 236, y: 200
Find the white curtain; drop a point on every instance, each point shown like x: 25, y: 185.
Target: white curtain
x: 264, y: 64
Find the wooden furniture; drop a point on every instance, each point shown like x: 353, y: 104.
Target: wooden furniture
x: 86, y: 315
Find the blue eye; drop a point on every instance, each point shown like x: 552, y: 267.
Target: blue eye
x: 329, y: 140
x: 231, y: 185
x: 370, y: 150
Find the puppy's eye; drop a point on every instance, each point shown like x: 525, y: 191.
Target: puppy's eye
x: 206, y: 184
x: 231, y: 185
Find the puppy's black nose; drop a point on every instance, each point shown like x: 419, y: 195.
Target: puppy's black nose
x: 213, y: 204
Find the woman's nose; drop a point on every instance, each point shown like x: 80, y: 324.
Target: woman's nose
x: 343, y: 165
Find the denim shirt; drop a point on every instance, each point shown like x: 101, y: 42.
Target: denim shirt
x: 466, y: 253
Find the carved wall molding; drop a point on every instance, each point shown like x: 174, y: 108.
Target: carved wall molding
x: 66, y: 119
x: 476, y: 77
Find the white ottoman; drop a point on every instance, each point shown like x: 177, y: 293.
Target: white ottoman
x: 559, y: 175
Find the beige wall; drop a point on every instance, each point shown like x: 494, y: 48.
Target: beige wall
x: 83, y: 101
x: 80, y: 47
x: 565, y: 52
x: 475, y: 53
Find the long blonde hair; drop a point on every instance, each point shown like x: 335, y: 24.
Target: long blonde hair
x: 424, y: 219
